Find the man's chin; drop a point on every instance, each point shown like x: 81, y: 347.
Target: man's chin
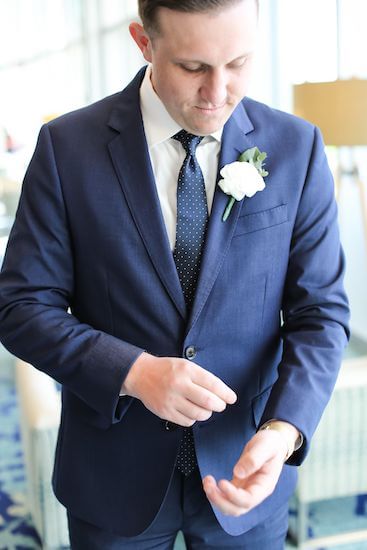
x: 208, y: 123
x: 200, y: 128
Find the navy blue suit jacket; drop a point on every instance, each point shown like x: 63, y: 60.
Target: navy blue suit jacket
x: 89, y: 281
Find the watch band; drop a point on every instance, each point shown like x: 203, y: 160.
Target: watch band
x: 278, y: 426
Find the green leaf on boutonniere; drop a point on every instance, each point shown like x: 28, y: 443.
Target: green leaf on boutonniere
x: 255, y: 157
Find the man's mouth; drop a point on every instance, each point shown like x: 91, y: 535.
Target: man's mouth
x: 212, y: 109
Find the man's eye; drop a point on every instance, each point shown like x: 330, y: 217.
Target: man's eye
x: 192, y: 69
x: 240, y: 63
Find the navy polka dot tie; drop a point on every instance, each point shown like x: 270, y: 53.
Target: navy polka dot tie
x: 192, y: 219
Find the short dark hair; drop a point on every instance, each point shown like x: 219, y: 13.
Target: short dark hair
x: 148, y: 8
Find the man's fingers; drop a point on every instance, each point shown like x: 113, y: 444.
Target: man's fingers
x: 236, y: 495
x: 255, y: 476
x: 219, y: 499
x: 262, y: 448
x: 255, y: 491
x: 181, y: 420
x: 177, y: 390
x: 213, y: 384
x: 243, y: 498
x: 193, y: 412
x: 246, y: 466
x: 235, y: 501
x: 205, y: 399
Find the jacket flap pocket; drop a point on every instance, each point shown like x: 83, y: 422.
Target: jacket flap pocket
x: 261, y: 220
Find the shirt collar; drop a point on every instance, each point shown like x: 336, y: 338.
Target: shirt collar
x: 158, y: 123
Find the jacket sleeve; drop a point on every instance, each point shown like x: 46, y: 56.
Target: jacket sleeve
x: 315, y: 307
x: 37, y: 286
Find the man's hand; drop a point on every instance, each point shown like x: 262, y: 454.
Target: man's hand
x: 254, y: 476
x: 176, y: 389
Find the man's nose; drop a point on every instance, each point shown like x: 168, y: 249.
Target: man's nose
x: 214, y: 88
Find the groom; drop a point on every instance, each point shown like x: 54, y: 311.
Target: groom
x: 196, y: 353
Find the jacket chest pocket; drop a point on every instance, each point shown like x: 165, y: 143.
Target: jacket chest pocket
x: 256, y: 221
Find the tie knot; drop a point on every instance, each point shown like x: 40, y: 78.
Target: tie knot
x: 189, y: 141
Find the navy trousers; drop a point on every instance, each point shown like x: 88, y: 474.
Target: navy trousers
x: 185, y: 509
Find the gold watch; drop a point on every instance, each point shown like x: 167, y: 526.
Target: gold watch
x: 278, y: 426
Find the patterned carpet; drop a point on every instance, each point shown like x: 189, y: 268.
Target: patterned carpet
x: 17, y: 532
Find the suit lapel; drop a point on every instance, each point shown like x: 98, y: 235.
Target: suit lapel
x: 131, y: 160
x: 219, y: 235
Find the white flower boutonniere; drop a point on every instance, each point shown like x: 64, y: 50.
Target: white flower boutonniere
x: 243, y: 178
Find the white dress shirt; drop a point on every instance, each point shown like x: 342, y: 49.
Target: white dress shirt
x: 167, y: 154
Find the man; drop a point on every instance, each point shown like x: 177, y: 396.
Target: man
x: 183, y: 391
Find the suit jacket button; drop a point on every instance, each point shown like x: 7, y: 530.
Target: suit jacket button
x: 190, y: 353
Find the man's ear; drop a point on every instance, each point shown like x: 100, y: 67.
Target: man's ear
x: 141, y: 38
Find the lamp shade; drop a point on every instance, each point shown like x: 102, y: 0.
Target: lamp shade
x: 339, y: 108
